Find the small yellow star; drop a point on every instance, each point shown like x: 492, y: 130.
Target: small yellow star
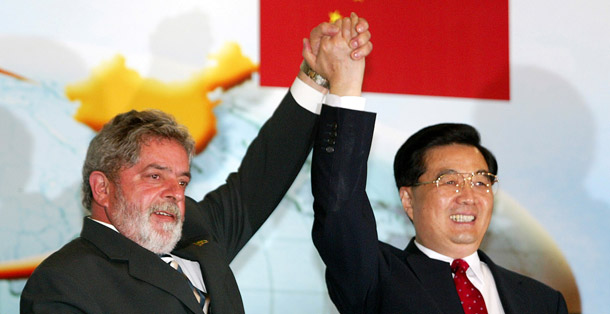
x: 333, y: 16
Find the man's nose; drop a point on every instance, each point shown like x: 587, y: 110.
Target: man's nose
x: 466, y: 191
x: 174, y: 191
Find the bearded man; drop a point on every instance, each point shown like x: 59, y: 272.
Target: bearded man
x: 134, y: 252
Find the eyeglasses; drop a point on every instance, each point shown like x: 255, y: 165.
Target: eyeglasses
x: 480, y: 182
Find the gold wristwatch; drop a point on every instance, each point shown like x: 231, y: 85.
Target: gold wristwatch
x: 319, y: 79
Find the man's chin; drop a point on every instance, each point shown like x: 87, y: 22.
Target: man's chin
x: 466, y: 239
x: 161, y: 247
x: 162, y: 241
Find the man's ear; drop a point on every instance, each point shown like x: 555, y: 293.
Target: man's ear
x: 406, y: 198
x: 100, y: 187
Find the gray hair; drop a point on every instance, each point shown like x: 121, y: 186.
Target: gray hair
x: 118, y: 144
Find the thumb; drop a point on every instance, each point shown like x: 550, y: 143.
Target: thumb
x: 308, y: 55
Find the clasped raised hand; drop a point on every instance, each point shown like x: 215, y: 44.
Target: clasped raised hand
x: 337, y: 52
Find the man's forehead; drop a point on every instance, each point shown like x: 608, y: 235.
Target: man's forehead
x: 454, y: 158
x: 161, y: 154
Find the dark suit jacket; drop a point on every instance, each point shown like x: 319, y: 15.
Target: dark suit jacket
x: 364, y: 275
x: 104, y: 272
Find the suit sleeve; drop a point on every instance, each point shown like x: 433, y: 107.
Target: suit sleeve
x: 54, y: 292
x: 344, y: 230
x: 562, y: 307
x: 232, y: 213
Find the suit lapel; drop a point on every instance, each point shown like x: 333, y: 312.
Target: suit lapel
x: 142, y: 264
x: 435, y: 277
x: 510, y: 291
x: 159, y: 274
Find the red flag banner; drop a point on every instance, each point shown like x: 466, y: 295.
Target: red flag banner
x: 421, y: 47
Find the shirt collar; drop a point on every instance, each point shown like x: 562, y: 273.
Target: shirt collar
x: 473, y: 260
x: 105, y: 224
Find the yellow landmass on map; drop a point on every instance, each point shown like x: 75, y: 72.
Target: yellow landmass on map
x: 113, y: 88
x: 21, y: 268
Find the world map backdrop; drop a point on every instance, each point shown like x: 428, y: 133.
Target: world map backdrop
x: 549, y: 128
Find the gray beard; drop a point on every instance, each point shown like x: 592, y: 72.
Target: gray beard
x: 135, y: 225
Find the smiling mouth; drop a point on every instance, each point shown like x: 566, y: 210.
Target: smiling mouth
x: 166, y: 211
x: 462, y: 218
x: 163, y: 214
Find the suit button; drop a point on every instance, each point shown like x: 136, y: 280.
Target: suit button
x: 330, y: 149
x: 331, y: 134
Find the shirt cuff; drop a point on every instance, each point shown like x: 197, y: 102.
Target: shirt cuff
x: 311, y: 99
x: 345, y: 102
x: 306, y: 96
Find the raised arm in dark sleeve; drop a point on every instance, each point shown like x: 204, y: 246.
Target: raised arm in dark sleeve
x: 232, y: 213
x: 344, y: 229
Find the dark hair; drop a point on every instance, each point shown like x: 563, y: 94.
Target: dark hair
x: 409, y: 163
x: 118, y: 144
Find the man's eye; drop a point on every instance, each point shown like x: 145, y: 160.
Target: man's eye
x: 154, y: 176
x: 482, y: 180
x: 449, y: 181
x: 183, y: 183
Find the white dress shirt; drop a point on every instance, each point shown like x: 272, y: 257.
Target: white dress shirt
x: 478, y: 273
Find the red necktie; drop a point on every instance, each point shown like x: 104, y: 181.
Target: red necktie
x: 472, y: 300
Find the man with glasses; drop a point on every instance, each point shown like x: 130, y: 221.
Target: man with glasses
x: 446, y: 181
